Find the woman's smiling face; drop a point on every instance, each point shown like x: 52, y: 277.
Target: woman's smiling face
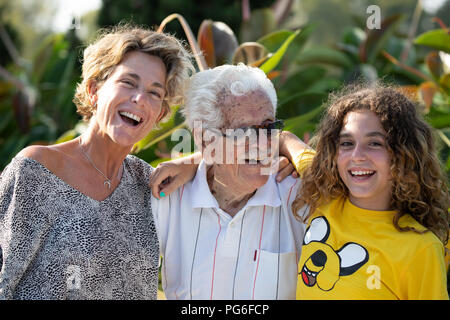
x: 363, y: 160
x: 130, y: 100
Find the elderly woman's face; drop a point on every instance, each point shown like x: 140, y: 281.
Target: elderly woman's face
x: 245, y: 111
x: 130, y: 100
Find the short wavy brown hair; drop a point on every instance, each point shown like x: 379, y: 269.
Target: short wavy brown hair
x: 419, y: 184
x: 101, y: 57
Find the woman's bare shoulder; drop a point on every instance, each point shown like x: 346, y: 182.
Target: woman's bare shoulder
x: 35, y: 152
x: 49, y: 156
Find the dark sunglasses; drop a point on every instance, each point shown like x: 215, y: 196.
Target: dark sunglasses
x: 266, y: 127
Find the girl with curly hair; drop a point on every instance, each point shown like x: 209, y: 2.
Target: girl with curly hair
x: 378, y: 219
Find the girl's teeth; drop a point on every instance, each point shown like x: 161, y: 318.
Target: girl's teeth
x: 361, y: 173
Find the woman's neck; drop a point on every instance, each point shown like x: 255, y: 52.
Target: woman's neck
x: 230, y: 197
x: 106, y: 155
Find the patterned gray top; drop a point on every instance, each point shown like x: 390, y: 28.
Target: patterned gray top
x: 58, y: 243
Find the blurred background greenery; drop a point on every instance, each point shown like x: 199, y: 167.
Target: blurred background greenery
x: 307, y: 47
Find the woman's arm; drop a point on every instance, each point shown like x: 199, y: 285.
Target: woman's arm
x: 170, y: 175
x: 22, y: 223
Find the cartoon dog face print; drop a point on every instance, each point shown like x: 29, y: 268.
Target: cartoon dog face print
x: 324, y: 266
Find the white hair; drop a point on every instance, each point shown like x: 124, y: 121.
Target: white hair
x: 201, y: 101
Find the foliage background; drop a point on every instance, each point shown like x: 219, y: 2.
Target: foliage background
x: 39, y: 68
x: 36, y: 106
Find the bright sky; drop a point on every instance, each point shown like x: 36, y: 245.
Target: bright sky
x: 69, y: 9
x: 432, y: 5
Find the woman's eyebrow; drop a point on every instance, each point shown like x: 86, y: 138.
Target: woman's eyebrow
x: 132, y: 75
x: 137, y: 78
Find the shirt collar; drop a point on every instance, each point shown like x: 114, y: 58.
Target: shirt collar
x: 202, y: 197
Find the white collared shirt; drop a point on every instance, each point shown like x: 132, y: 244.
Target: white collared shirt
x: 207, y: 254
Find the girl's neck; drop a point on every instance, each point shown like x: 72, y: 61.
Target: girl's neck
x: 372, y: 204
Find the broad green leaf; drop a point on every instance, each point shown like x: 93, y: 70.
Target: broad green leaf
x: 300, y: 104
x: 304, y: 122
x: 67, y: 136
x: 155, y: 162
x: 273, y: 61
x: 300, y: 81
x: 353, y: 36
x: 437, y: 39
x: 326, y: 84
x: 376, y: 38
x: 438, y: 119
x: 79, y: 128
x: 166, y: 129
x: 324, y: 55
x: 274, y: 40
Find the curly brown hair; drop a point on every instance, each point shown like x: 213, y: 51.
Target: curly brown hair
x: 419, y: 184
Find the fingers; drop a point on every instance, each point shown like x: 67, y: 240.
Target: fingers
x: 168, y: 186
x: 285, y: 169
x: 159, y: 178
x: 283, y: 162
x: 155, y: 182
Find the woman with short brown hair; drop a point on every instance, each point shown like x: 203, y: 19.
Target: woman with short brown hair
x: 75, y: 218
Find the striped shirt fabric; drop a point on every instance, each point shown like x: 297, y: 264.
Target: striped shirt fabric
x: 207, y: 254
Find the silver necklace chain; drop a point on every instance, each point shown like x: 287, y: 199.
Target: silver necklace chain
x: 107, y: 182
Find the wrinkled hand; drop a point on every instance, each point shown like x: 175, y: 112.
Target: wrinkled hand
x: 169, y: 176
x: 285, y: 169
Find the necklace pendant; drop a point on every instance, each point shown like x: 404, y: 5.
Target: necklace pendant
x: 107, y: 183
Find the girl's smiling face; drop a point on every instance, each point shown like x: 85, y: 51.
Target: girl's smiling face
x: 363, y: 160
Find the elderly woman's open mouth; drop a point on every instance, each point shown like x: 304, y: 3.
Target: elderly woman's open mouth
x: 130, y: 118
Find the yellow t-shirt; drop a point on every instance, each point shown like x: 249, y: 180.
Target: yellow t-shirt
x: 447, y: 256
x: 354, y: 253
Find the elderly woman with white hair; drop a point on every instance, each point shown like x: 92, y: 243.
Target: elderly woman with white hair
x: 230, y: 233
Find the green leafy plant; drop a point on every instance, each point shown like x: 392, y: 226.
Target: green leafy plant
x: 36, y: 95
